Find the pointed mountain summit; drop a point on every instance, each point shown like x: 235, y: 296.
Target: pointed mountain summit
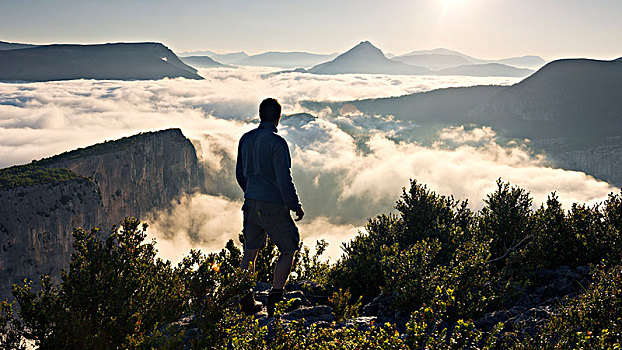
x: 365, y: 50
x: 367, y: 59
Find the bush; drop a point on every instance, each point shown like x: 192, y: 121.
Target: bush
x: 117, y: 294
x: 344, y: 306
x: 578, y: 237
x: 506, y: 221
x: 360, y: 269
x: 428, y: 215
x: 115, y: 289
x: 309, y: 267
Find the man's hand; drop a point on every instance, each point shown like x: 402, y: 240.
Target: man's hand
x: 299, y: 214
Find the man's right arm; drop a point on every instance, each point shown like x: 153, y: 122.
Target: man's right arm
x: 239, y: 168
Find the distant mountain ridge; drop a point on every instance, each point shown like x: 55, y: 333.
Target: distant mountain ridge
x: 284, y: 59
x: 118, y: 61
x: 529, y: 61
x: 202, y: 62
x: 486, y: 70
x: 226, y: 58
x: 281, y: 59
x: 433, y: 61
x: 14, y: 46
x: 365, y: 58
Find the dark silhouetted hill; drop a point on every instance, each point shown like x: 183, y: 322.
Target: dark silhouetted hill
x: 14, y: 46
x: 486, y: 70
x: 119, y: 61
x: 366, y: 58
x: 437, y: 107
x: 202, y: 62
x: 565, y: 98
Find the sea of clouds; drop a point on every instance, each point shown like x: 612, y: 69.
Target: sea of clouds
x: 347, y: 168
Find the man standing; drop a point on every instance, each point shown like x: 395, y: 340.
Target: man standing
x: 263, y: 173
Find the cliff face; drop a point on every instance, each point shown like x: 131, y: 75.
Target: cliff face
x: 126, y: 177
x: 600, y: 159
x: 36, y: 224
x: 147, y: 171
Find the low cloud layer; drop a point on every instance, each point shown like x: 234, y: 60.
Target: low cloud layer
x: 347, y: 168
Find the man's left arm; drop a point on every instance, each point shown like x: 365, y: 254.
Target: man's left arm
x: 282, y: 170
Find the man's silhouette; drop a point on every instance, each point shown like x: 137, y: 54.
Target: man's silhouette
x: 263, y: 173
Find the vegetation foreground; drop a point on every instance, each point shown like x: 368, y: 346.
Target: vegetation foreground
x: 439, y: 267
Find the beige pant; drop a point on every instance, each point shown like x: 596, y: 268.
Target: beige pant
x: 261, y: 218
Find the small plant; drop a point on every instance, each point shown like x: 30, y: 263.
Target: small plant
x: 343, y: 307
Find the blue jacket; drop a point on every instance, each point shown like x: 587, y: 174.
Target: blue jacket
x: 263, y: 167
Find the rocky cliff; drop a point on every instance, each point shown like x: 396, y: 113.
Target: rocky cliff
x: 599, y: 157
x: 115, y: 179
x: 36, y: 224
x: 139, y: 173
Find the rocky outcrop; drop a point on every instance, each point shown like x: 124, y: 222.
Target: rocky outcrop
x: 139, y: 173
x: 36, y: 223
x: 539, y: 301
x: 123, y: 178
x: 599, y: 157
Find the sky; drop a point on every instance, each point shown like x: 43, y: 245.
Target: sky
x: 487, y: 29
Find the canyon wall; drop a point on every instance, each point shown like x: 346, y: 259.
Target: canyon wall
x: 117, y: 179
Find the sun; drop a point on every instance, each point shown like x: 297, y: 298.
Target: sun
x: 450, y: 3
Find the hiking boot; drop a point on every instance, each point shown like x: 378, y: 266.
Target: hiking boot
x: 274, y: 297
x: 248, y: 304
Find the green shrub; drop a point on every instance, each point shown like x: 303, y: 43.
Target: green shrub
x: 506, y: 221
x: 428, y: 215
x: 113, y: 290
x: 360, y: 269
x: 344, y: 306
x: 31, y: 174
x: 309, y: 267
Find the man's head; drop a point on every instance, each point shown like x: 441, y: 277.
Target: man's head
x: 269, y: 110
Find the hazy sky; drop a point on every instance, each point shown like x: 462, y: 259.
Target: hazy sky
x: 482, y: 28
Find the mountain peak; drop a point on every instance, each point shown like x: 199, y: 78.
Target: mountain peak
x: 365, y: 45
x: 366, y: 49
x: 367, y: 59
